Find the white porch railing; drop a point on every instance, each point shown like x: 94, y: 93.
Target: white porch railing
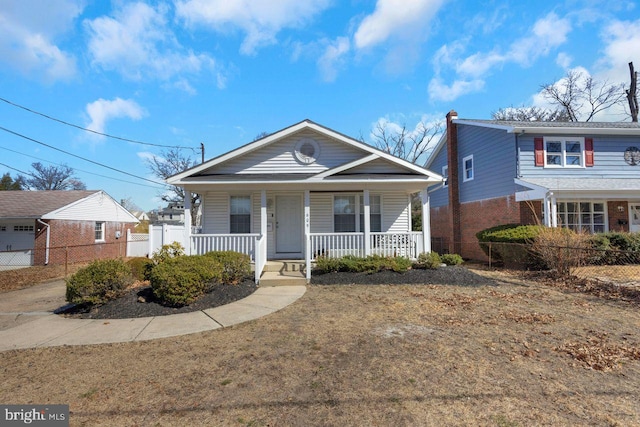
x: 261, y: 257
x: 243, y: 243
x: 407, y: 245
x: 336, y: 245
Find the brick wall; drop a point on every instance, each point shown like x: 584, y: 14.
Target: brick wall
x: 441, y: 234
x: 74, y: 241
x: 616, y: 216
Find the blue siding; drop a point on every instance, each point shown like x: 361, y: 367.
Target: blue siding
x: 439, y: 197
x: 494, y: 158
x: 608, y: 159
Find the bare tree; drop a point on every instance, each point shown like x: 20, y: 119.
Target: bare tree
x: 581, y: 97
x: 261, y: 135
x: 413, y: 146
x: 169, y: 163
x: 530, y: 114
x: 632, y: 94
x: 44, y: 178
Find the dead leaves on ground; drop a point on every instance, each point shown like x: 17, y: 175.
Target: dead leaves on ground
x: 600, y: 353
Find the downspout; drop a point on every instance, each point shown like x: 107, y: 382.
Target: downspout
x: 46, y: 250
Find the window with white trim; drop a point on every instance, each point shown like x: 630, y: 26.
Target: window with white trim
x: 348, y: 207
x: 582, y: 216
x: 240, y: 214
x: 467, y: 168
x: 445, y: 175
x: 99, y: 231
x: 563, y: 152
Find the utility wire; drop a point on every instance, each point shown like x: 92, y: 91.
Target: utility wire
x: 93, y: 131
x: 79, y: 170
x: 78, y: 157
x: 17, y: 170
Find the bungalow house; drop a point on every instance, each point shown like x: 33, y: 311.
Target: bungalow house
x: 303, y: 192
x: 54, y: 227
x: 585, y: 176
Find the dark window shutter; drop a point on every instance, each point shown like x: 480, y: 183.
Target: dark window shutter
x: 538, y: 145
x: 588, y: 151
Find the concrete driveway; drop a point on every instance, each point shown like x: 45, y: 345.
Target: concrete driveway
x: 29, y: 304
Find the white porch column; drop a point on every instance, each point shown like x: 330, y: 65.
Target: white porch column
x: 367, y: 223
x: 554, y: 211
x: 263, y: 213
x: 307, y: 233
x: 546, y: 206
x: 426, y: 220
x: 187, y: 222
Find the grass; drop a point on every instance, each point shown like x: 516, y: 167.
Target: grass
x: 515, y: 354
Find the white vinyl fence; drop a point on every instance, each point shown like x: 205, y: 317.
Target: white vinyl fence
x: 137, y: 244
x: 165, y: 234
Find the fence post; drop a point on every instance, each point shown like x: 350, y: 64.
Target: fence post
x: 489, y: 255
x: 66, y: 261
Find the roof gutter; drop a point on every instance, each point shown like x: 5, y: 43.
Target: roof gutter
x: 46, y: 250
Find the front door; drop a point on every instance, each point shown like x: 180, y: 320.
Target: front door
x: 289, y: 224
x: 634, y: 217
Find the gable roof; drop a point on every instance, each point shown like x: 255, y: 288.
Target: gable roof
x: 36, y: 204
x: 543, y: 128
x: 374, y: 153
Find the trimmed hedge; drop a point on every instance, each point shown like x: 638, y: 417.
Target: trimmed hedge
x: 507, y: 244
x: 182, y: 280
x: 451, y: 259
x: 235, y: 266
x: 99, y: 282
x: 369, y: 264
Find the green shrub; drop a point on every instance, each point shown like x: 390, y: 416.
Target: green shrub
x: 99, y: 282
x: 355, y: 264
x: 140, y: 267
x: 509, y: 244
x: 180, y: 281
x: 428, y: 261
x: 235, y: 266
x: 616, y: 248
x: 451, y: 259
x: 167, y: 252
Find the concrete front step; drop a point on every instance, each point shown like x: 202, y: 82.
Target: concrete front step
x: 285, y: 266
x: 280, y: 278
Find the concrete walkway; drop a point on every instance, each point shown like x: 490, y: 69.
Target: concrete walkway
x: 27, y: 319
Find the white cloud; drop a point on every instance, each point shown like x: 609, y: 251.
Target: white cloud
x: 546, y: 34
x: 439, y: 91
x: 332, y: 58
x: 564, y: 60
x: 260, y: 20
x: 395, y: 18
x: 622, y: 45
x: 137, y: 43
x: 27, y: 37
x: 103, y: 110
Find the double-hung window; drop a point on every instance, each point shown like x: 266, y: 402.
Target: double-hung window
x: 467, y: 165
x: 347, y: 208
x: 445, y: 175
x: 240, y: 214
x: 564, y: 152
x: 99, y: 231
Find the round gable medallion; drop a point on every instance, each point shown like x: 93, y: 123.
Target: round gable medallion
x: 632, y: 156
x: 307, y: 151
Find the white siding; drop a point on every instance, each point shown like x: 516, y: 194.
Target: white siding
x: 378, y: 166
x: 216, y: 213
x: 278, y: 157
x: 322, y: 212
x: 396, y: 209
x: 97, y: 207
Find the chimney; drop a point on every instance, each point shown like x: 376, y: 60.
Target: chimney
x: 454, y: 190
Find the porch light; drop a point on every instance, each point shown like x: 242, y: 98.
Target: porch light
x: 620, y: 208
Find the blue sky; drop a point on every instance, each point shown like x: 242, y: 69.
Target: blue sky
x: 220, y: 72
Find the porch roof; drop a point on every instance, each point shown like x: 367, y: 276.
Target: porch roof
x: 605, y: 188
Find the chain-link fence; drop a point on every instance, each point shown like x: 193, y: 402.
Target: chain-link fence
x: 605, y: 265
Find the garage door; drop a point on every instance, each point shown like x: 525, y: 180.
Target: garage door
x: 16, y: 243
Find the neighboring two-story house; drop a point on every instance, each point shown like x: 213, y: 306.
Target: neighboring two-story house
x: 581, y: 175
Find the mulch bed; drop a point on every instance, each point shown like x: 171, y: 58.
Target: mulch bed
x: 451, y: 275
x: 128, y: 306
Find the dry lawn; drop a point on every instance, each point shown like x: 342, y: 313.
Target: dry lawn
x: 515, y: 354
